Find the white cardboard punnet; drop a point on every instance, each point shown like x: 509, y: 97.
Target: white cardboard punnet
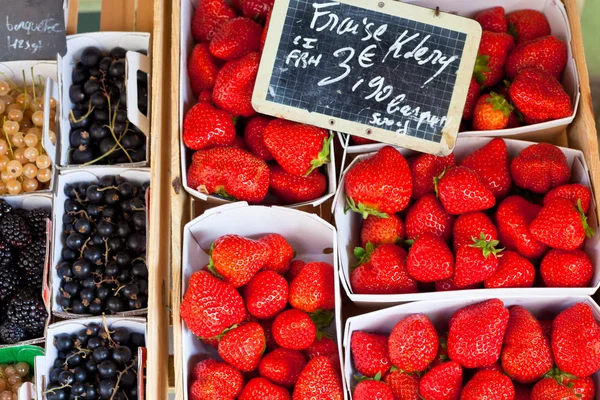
x: 312, y: 239
x: 349, y: 225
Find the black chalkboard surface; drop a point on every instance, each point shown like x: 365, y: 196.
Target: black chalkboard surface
x: 389, y: 71
x: 32, y: 30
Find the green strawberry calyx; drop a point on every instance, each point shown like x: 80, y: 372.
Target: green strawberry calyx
x: 512, y: 30
x: 322, y: 318
x: 560, y: 377
x: 500, y: 103
x: 589, y: 232
x: 322, y: 335
x: 211, y: 263
x: 363, y: 210
x: 361, y: 378
x: 363, y: 255
x: 222, y: 334
x: 322, y: 157
x: 436, y: 181
x: 221, y: 192
x: 481, y: 66
x: 487, y: 247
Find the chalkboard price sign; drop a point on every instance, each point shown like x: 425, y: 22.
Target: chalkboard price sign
x: 32, y: 30
x: 380, y: 69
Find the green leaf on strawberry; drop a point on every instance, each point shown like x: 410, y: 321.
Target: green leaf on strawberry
x: 323, y: 157
x: 363, y: 210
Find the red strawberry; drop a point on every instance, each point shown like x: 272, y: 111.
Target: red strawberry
x: 238, y: 143
x: 372, y: 390
x: 413, y: 343
x: 263, y: 37
x: 237, y: 259
x: 323, y: 346
x: 488, y: 385
x: 449, y: 284
x: 513, y: 216
x: 492, y: 19
x: 380, y: 184
x: 476, y: 333
x: 428, y: 215
x: 546, y: 325
x: 253, y: 136
x: 561, y: 268
x: 205, y: 95
x: 539, y: 96
x: 358, y: 140
x: 584, y: 388
x: 205, y: 126
x: 540, y: 167
x: 442, y: 353
x: 297, y: 189
x: 295, y: 268
x: 319, y: 380
x: 576, y: 341
x: 229, y: 172
x: 208, y: 18
x: 522, y: 392
x: 282, y: 366
x: 476, y: 262
x: 202, y: 69
x: 442, y: 382
x: 561, y: 225
x: 266, y: 294
x: 313, y: 288
x: 215, y: 380
x: 468, y: 227
x: 424, y: 168
x: 513, y: 271
x: 491, y: 163
x: 280, y: 253
x: 377, y: 230
x: 236, y: 38
x: 243, y: 346
x: 261, y: 389
x: 267, y: 326
x: 430, y: 259
x: 461, y: 190
x: 472, y: 96
x: 234, y: 85
x: 298, y: 148
x: 527, y: 24
x: 492, y: 111
x: 576, y: 389
x: 404, y: 386
x: 370, y: 353
x: 293, y: 329
x: 493, y: 50
x: 546, y: 53
x: 210, y: 305
x: 572, y: 192
x: 255, y: 9
x: 526, y: 356
x: 382, y: 271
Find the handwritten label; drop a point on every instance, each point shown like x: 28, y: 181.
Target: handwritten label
x: 32, y: 30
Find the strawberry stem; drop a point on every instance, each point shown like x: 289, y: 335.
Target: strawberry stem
x: 487, y: 247
x: 323, y: 156
x: 589, y: 232
x: 363, y: 254
x: 363, y: 210
x: 322, y: 318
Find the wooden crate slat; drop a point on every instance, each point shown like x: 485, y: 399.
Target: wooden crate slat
x: 72, y: 17
x: 117, y: 15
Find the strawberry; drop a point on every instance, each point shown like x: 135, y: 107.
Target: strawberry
x: 449, y: 284
x: 461, y: 190
x: 322, y: 346
x: 539, y: 96
x: 263, y: 37
x: 491, y: 163
x: 234, y: 85
x: 575, y: 389
x: 470, y: 226
x: 208, y: 18
x: 295, y: 268
x: 576, y: 341
x: 210, y: 305
x: 313, y: 288
x: 561, y: 225
x: 522, y: 392
x: 527, y: 25
x: 546, y: 53
x: 404, y: 386
x: 255, y: 9
x: 472, y: 96
x: 572, y: 192
x: 583, y: 388
x: 380, y: 184
x: 280, y: 253
x: 381, y: 271
x: 214, y: 380
x: 540, y: 167
x: 238, y: 143
x: 297, y: 189
x: 413, y: 343
x: 282, y: 366
x: 424, y: 168
x: 237, y: 259
x: 513, y: 271
x: 492, y: 19
x: 370, y: 353
x: 442, y: 382
x: 253, y: 136
x: 261, y: 389
x: 266, y: 294
x: 205, y: 126
x: 427, y: 215
x: 205, y: 95
x: 202, y: 69
x: 242, y: 347
x: 491, y: 112
x: 293, y: 329
x: 476, y: 333
x: 513, y: 217
x: 382, y: 230
x: 430, y: 259
x: 298, y: 148
x: 358, y: 140
x: 476, y: 262
x: 561, y: 268
x: 442, y: 353
x: 236, y: 38
x: 230, y: 173
x: 488, y: 385
x: 526, y: 355
x: 319, y: 380
x: 493, y: 50
x: 372, y: 390
x: 546, y: 325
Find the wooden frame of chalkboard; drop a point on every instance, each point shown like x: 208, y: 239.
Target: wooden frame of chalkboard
x: 383, y: 70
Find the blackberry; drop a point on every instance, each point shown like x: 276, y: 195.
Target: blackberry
x: 36, y: 219
x: 15, y: 230
x: 11, y: 333
x: 31, y: 260
x: 5, y: 208
x: 7, y: 255
x: 11, y: 282
x: 28, y: 310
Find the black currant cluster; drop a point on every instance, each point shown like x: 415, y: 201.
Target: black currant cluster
x: 23, y: 314
x: 100, y: 130
x: 103, y: 263
x: 95, y: 363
